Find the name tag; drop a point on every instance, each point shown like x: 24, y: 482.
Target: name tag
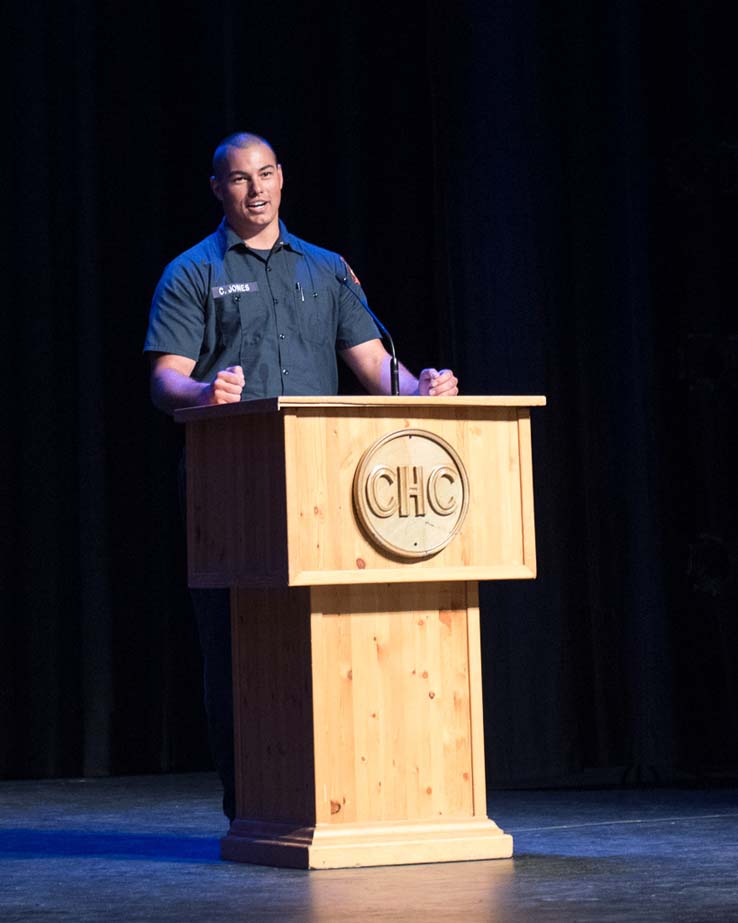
x: 234, y: 288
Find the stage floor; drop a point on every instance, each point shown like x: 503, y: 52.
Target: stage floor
x: 146, y: 849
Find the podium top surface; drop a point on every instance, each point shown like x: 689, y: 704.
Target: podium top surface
x: 276, y: 404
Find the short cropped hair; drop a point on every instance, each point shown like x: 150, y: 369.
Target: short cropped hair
x: 239, y: 139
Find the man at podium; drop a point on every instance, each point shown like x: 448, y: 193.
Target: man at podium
x: 252, y: 311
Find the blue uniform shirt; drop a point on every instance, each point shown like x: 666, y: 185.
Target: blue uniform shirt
x: 281, y: 316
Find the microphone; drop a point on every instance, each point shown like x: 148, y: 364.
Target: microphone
x: 394, y: 366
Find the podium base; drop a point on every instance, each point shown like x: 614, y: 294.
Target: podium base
x: 356, y: 845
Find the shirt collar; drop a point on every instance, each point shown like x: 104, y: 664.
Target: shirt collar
x: 231, y: 239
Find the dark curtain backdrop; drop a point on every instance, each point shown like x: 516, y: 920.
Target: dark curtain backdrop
x: 541, y: 195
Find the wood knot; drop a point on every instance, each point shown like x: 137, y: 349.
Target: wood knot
x: 335, y: 807
x: 360, y: 563
x: 431, y: 695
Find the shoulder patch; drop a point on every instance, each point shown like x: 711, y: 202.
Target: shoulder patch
x: 349, y: 270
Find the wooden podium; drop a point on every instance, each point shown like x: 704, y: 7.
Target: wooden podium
x: 356, y: 659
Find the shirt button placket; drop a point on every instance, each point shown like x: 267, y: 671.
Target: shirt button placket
x: 281, y: 338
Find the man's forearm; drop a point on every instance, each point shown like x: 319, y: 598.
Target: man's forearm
x: 171, y: 390
x: 370, y: 362
x: 408, y: 382
x: 381, y: 382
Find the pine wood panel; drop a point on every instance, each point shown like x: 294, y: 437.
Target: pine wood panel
x: 359, y: 736
x: 397, y: 685
x: 270, y: 493
x: 236, y: 507
x: 272, y: 691
x: 324, y: 447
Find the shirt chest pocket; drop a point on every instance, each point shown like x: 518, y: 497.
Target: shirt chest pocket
x: 241, y: 318
x: 317, y: 317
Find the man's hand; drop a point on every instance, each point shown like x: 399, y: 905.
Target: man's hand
x: 432, y: 383
x: 226, y: 387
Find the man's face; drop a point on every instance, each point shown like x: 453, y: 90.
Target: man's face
x: 249, y: 184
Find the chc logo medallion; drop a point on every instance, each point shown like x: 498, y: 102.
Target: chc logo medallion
x: 411, y: 493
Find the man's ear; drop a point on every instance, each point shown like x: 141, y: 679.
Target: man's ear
x: 215, y: 186
x: 281, y: 175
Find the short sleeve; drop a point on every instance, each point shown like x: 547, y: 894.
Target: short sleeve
x: 177, y: 316
x: 354, y: 322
